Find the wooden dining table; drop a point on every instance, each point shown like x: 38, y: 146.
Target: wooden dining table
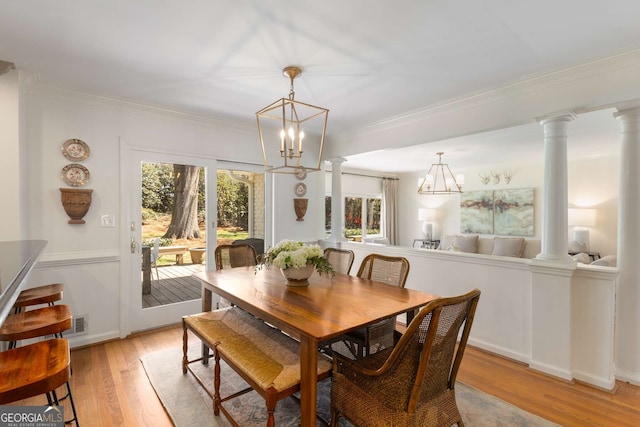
x: 322, y: 311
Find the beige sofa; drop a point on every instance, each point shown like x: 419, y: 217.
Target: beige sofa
x: 518, y: 247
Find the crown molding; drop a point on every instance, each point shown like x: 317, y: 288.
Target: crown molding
x: 528, y: 85
x: 6, y: 66
x: 32, y: 86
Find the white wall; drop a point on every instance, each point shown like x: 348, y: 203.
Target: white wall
x: 10, y: 158
x: 591, y: 183
x: 285, y: 224
x: 87, y: 258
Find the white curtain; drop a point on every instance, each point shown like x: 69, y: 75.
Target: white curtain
x: 389, y: 206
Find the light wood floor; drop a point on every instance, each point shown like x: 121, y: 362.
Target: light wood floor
x: 111, y: 388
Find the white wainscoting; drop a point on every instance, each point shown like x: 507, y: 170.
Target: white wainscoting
x: 91, y: 288
x: 504, y: 319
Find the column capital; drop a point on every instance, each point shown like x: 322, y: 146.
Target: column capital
x: 627, y: 112
x: 336, y: 160
x: 628, y: 119
x: 565, y: 116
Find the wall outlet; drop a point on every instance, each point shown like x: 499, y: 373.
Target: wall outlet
x: 107, y: 221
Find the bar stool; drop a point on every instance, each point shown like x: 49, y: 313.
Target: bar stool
x: 51, y: 320
x: 34, y: 369
x: 45, y: 294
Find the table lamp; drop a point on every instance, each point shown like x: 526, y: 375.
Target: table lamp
x: 580, y: 219
x: 427, y: 228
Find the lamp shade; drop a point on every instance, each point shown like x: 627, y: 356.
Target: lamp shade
x: 426, y: 214
x: 582, y: 217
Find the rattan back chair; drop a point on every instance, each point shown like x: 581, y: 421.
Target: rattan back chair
x: 411, y: 384
x: 386, y: 269
x: 231, y: 256
x: 340, y: 259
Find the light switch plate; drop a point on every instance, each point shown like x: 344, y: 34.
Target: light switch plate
x: 108, y: 221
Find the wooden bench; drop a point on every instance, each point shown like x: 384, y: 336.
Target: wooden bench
x: 178, y: 251
x: 267, y: 359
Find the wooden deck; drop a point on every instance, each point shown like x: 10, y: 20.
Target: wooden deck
x: 175, y: 285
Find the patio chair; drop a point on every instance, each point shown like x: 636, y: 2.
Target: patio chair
x: 155, y: 255
x: 258, y: 244
x: 413, y: 383
x: 392, y: 271
x: 340, y: 259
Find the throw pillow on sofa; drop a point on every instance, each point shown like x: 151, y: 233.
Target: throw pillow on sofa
x: 466, y: 243
x: 508, y: 246
x: 459, y: 243
x: 445, y: 242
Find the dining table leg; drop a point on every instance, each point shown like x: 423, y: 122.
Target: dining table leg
x: 207, y: 297
x: 308, y: 380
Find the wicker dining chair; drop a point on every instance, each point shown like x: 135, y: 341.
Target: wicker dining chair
x: 392, y: 271
x: 340, y: 259
x: 411, y: 384
x: 231, y: 256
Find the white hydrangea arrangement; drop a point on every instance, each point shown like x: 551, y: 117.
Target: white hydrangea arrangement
x: 289, y: 253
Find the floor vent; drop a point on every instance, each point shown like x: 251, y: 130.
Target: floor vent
x: 79, y: 325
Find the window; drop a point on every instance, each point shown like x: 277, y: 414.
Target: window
x: 361, y: 216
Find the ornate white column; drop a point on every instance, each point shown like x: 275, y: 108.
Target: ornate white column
x: 551, y: 270
x: 555, y: 205
x: 337, y: 205
x: 627, y: 352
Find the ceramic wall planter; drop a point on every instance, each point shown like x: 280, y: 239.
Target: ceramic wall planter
x: 76, y: 203
x: 300, y: 206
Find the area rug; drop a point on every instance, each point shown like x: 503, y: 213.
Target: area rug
x: 188, y: 405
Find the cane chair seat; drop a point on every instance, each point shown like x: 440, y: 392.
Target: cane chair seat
x: 411, y: 384
x: 267, y: 359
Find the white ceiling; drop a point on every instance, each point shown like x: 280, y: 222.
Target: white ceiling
x: 365, y: 61
x: 592, y: 134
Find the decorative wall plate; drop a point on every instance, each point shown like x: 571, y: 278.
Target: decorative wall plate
x: 301, y: 173
x: 75, y: 175
x: 300, y: 189
x: 75, y: 150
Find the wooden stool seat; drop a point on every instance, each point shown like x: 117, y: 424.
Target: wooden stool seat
x: 45, y: 294
x: 36, y: 323
x: 34, y: 369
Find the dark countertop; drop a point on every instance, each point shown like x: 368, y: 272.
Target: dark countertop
x: 17, y: 258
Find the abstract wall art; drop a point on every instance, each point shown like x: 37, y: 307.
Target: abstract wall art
x: 501, y: 212
x: 513, y: 212
x: 476, y: 212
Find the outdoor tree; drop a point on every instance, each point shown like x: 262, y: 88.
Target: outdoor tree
x: 157, y: 187
x: 184, y: 215
x: 232, y: 202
